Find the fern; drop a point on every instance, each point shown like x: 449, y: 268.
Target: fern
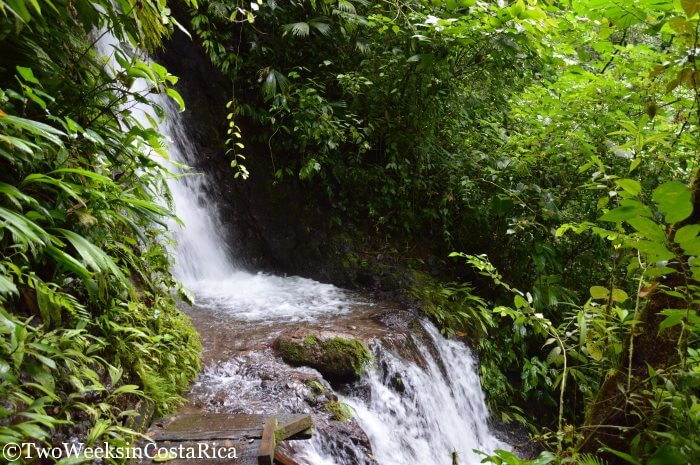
x: 300, y: 29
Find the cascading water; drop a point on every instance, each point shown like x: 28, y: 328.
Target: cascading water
x: 421, y: 409
x: 202, y: 253
x: 203, y: 258
x: 417, y: 409
x: 420, y: 414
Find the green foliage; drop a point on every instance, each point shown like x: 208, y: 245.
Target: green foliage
x: 371, y: 100
x: 88, y: 325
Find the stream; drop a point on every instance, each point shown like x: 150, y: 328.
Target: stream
x: 418, y: 402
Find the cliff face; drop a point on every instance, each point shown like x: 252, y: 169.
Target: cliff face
x: 282, y: 228
x: 271, y: 226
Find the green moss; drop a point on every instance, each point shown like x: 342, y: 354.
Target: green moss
x: 339, y: 410
x: 316, y: 387
x: 291, y: 352
x: 358, y: 352
x: 337, y: 359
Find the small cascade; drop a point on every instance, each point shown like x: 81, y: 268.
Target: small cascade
x: 420, y: 409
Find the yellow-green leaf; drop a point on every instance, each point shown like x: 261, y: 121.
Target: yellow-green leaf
x: 599, y: 292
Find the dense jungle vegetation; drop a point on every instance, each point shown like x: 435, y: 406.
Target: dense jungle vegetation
x: 551, y: 148
x: 88, y: 325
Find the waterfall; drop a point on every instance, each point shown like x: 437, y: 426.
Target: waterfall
x: 415, y: 410
x: 421, y: 412
x: 203, y: 258
x: 202, y: 253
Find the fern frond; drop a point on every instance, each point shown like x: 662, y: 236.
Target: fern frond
x: 321, y: 26
x: 300, y: 29
x: 347, y: 7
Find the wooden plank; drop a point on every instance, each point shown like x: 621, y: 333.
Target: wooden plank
x: 306, y: 434
x: 167, y: 435
x: 212, y: 421
x: 212, y: 426
x: 266, y: 453
x: 282, y: 459
x: 292, y: 427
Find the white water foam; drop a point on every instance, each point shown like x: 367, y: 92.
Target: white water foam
x: 265, y: 297
x: 439, y: 409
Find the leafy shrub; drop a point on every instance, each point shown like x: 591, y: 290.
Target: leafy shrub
x: 88, y: 323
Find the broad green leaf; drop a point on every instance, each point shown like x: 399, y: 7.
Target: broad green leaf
x: 88, y: 174
x: 594, y: 346
x: 67, y: 261
x: 27, y: 74
x: 32, y: 430
x: 599, y: 292
x: 628, y: 209
x: 50, y: 312
x: 667, y: 455
x: 674, y: 201
x: 691, y: 247
x: 690, y: 7
x: 555, y: 356
x: 7, y: 286
x: 175, y: 95
x: 674, y: 317
x: 545, y: 458
x: 657, y: 251
x: 127, y: 389
x: 687, y: 233
x: 39, y: 129
x: 648, y: 228
x: 659, y: 271
x: 24, y: 231
x: 623, y: 455
x: 619, y: 295
x: 91, y: 254
x: 629, y: 185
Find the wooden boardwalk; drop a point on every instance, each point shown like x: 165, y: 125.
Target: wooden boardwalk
x: 224, y: 439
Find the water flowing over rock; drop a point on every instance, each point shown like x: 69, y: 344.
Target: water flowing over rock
x: 418, y: 401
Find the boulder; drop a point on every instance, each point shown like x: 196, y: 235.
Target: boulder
x: 338, y: 357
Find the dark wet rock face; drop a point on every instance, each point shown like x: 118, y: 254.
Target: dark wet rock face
x: 281, y: 226
x: 339, y: 357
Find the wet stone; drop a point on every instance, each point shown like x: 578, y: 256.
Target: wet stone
x: 340, y: 358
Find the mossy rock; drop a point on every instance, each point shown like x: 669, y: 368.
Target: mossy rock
x: 340, y: 411
x: 338, y: 359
